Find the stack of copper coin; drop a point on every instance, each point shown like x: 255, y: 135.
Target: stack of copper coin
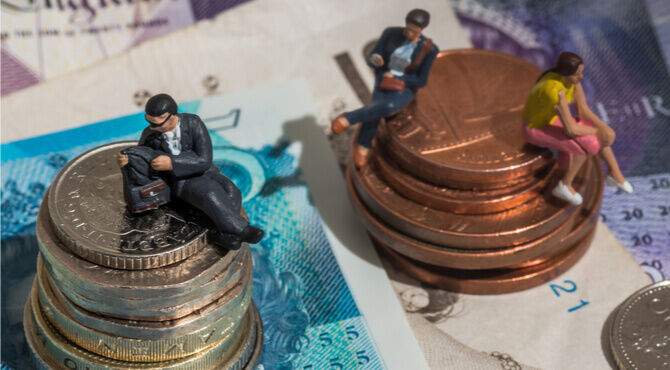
x: 116, y: 290
x: 452, y: 193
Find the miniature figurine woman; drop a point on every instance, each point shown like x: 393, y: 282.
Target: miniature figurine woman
x: 401, y: 59
x: 549, y: 123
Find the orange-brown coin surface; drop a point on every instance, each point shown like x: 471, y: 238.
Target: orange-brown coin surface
x: 529, y: 221
x: 461, y: 200
x: 489, y: 281
x: 464, y: 129
x: 526, y: 254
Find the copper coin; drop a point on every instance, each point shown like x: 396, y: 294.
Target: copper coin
x: 527, y: 254
x: 516, y: 226
x: 495, y: 281
x: 464, y: 131
x: 460, y: 200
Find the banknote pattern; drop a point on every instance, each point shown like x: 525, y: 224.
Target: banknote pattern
x: 44, y: 39
x: 309, y: 316
x: 626, y: 82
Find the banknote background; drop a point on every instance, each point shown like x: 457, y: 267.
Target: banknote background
x: 328, y: 52
x: 44, y: 39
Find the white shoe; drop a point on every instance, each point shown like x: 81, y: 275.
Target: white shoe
x: 626, y: 187
x: 561, y: 191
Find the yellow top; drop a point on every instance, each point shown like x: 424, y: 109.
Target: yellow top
x: 539, y: 109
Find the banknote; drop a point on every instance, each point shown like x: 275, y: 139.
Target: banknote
x: 626, y: 82
x: 659, y: 11
x: 43, y: 39
x: 557, y: 325
x: 324, y: 299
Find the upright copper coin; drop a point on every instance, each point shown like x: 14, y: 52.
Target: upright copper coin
x: 464, y: 131
x: 88, y: 211
x: 519, y: 225
x: 527, y: 254
x: 640, y: 335
x: 495, y: 281
x: 460, y: 200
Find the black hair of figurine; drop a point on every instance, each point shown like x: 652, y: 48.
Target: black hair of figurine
x: 159, y: 104
x: 418, y: 17
x: 566, y: 65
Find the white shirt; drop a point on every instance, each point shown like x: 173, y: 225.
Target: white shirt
x: 401, y: 58
x: 173, y: 138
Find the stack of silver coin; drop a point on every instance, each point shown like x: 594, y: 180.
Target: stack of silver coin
x: 123, y: 291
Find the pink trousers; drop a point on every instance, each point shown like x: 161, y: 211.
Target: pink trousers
x: 554, y: 137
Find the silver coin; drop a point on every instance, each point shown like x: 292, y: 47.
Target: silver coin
x: 128, y: 349
x: 89, y: 213
x: 640, y: 336
x: 160, y: 285
x: 234, y: 302
x: 142, y: 309
x: 54, y: 351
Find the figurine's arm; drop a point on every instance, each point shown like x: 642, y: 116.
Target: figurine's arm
x: 605, y: 133
x: 572, y: 129
x: 197, y: 161
x: 419, y: 77
x: 379, y: 50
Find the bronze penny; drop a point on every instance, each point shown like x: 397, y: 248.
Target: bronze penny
x: 464, y: 131
x: 495, y: 281
x: 526, y: 254
x: 516, y: 226
x: 460, y: 200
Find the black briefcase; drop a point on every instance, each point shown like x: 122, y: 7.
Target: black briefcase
x: 147, y: 197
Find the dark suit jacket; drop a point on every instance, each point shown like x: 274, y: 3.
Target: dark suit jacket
x: 391, y: 39
x: 195, y: 158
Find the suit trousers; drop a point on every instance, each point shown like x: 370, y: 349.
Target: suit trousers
x: 212, y: 193
x: 384, y: 104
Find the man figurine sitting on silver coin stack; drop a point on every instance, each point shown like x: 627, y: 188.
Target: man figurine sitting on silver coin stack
x: 174, y: 158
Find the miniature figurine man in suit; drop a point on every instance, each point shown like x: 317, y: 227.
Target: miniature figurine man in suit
x: 176, y: 149
x: 401, y: 60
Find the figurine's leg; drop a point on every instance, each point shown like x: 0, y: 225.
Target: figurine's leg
x: 608, y: 156
x: 207, y: 195
x: 232, y: 192
x: 384, y: 104
x: 576, y: 163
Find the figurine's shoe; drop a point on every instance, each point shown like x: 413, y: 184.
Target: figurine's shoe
x: 252, y: 234
x: 230, y: 241
x: 339, y: 125
x: 563, y: 192
x: 361, y: 155
x: 626, y: 187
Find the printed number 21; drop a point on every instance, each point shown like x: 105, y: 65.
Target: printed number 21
x: 571, y: 287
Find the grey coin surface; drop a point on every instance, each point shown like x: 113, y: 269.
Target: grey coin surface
x: 87, y: 208
x: 159, y: 286
x: 136, y: 309
x: 234, y: 302
x: 52, y: 351
x: 127, y: 349
x: 640, y: 335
